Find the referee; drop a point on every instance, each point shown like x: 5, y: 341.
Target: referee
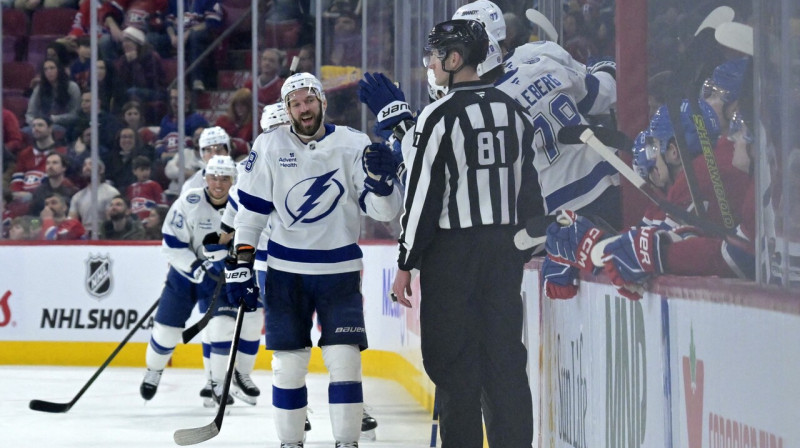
x: 471, y: 180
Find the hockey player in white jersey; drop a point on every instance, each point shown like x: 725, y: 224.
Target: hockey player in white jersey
x: 311, y: 182
x: 213, y: 141
x: 191, y: 277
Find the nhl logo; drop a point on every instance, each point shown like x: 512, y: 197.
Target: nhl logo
x: 98, y: 275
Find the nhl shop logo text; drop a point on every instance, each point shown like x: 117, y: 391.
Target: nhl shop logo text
x: 98, y: 275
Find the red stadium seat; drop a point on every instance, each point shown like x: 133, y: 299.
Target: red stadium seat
x: 37, y: 47
x: 56, y: 21
x: 18, y: 105
x: 18, y: 75
x: 10, y: 48
x: 15, y: 22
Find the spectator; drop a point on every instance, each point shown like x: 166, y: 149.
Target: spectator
x: 111, y: 92
x: 128, y: 146
x: 82, y: 201
x: 574, y: 36
x: 144, y: 194
x: 140, y: 70
x: 55, y: 97
x: 80, y: 69
x: 12, y: 136
x: 108, y: 123
x: 31, y: 161
x: 56, y: 225
x: 55, y: 182
x: 121, y: 225
x: 518, y: 32
x: 238, y: 122
x: 201, y: 22
x: 268, y: 83
x: 152, y: 224
x: 133, y: 117
x: 346, y: 47
x: 192, y: 164
x: 306, y: 58
x: 78, y: 151
x: 167, y: 143
x: 20, y: 229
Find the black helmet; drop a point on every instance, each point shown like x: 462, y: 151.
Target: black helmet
x: 468, y: 37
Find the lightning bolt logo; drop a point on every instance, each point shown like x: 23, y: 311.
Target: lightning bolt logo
x: 313, y: 195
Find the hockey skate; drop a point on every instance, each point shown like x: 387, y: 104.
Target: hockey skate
x: 244, y: 388
x: 149, y: 384
x: 346, y: 444
x: 292, y: 445
x: 368, y: 425
x: 206, y: 395
x: 216, y: 392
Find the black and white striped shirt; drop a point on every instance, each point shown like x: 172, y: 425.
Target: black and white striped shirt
x: 470, y: 164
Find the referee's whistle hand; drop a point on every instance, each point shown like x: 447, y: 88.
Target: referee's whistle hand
x: 401, y: 288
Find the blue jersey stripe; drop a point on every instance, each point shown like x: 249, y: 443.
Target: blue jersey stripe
x: 255, y: 204
x: 173, y: 242
x: 580, y: 187
x: 592, y: 90
x: 233, y: 203
x: 346, y: 253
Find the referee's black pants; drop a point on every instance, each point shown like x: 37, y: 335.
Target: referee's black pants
x: 471, y: 322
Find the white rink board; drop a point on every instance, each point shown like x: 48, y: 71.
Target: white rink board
x: 44, y: 295
x: 746, y: 387
x: 601, y: 379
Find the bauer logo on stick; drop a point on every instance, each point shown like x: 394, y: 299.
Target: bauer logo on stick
x: 98, y: 275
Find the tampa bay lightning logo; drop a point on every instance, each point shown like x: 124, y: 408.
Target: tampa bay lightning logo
x: 314, y: 198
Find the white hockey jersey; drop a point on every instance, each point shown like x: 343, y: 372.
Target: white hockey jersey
x: 228, y: 220
x: 601, y: 88
x: 198, y: 180
x: 570, y: 176
x: 313, y: 196
x: 188, y: 221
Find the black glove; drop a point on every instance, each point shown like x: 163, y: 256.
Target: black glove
x: 381, y: 167
x: 240, y: 285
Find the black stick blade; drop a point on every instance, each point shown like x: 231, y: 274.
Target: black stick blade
x: 49, y: 406
x: 571, y: 135
x: 193, y: 436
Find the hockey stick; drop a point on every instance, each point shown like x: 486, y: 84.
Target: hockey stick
x: 189, y: 333
x: 49, y: 406
x: 686, y: 79
x: 544, y: 24
x: 192, y: 436
x: 435, y: 421
x: 585, y: 134
x: 735, y: 35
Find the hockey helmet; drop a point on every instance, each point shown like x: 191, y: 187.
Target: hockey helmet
x: 214, y: 136
x: 727, y: 80
x: 488, y: 14
x: 435, y: 91
x: 644, y: 155
x: 273, y: 115
x: 494, y: 57
x: 301, y: 81
x: 221, y: 166
x: 468, y: 37
x: 661, y: 127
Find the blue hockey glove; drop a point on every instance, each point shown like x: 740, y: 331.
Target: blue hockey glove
x: 385, y: 100
x: 570, y: 240
x: 559, y: 280
x: 380, y: 165
x: 633, y: 258
x: 240, y: 285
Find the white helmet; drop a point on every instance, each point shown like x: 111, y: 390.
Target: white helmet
x: 435, y: 91
x: 301, y: 81
x: 273, y: 115
x: 214, y: 136
x: 494, y: 57
x: 221, y: 166
x: 488, y: 14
